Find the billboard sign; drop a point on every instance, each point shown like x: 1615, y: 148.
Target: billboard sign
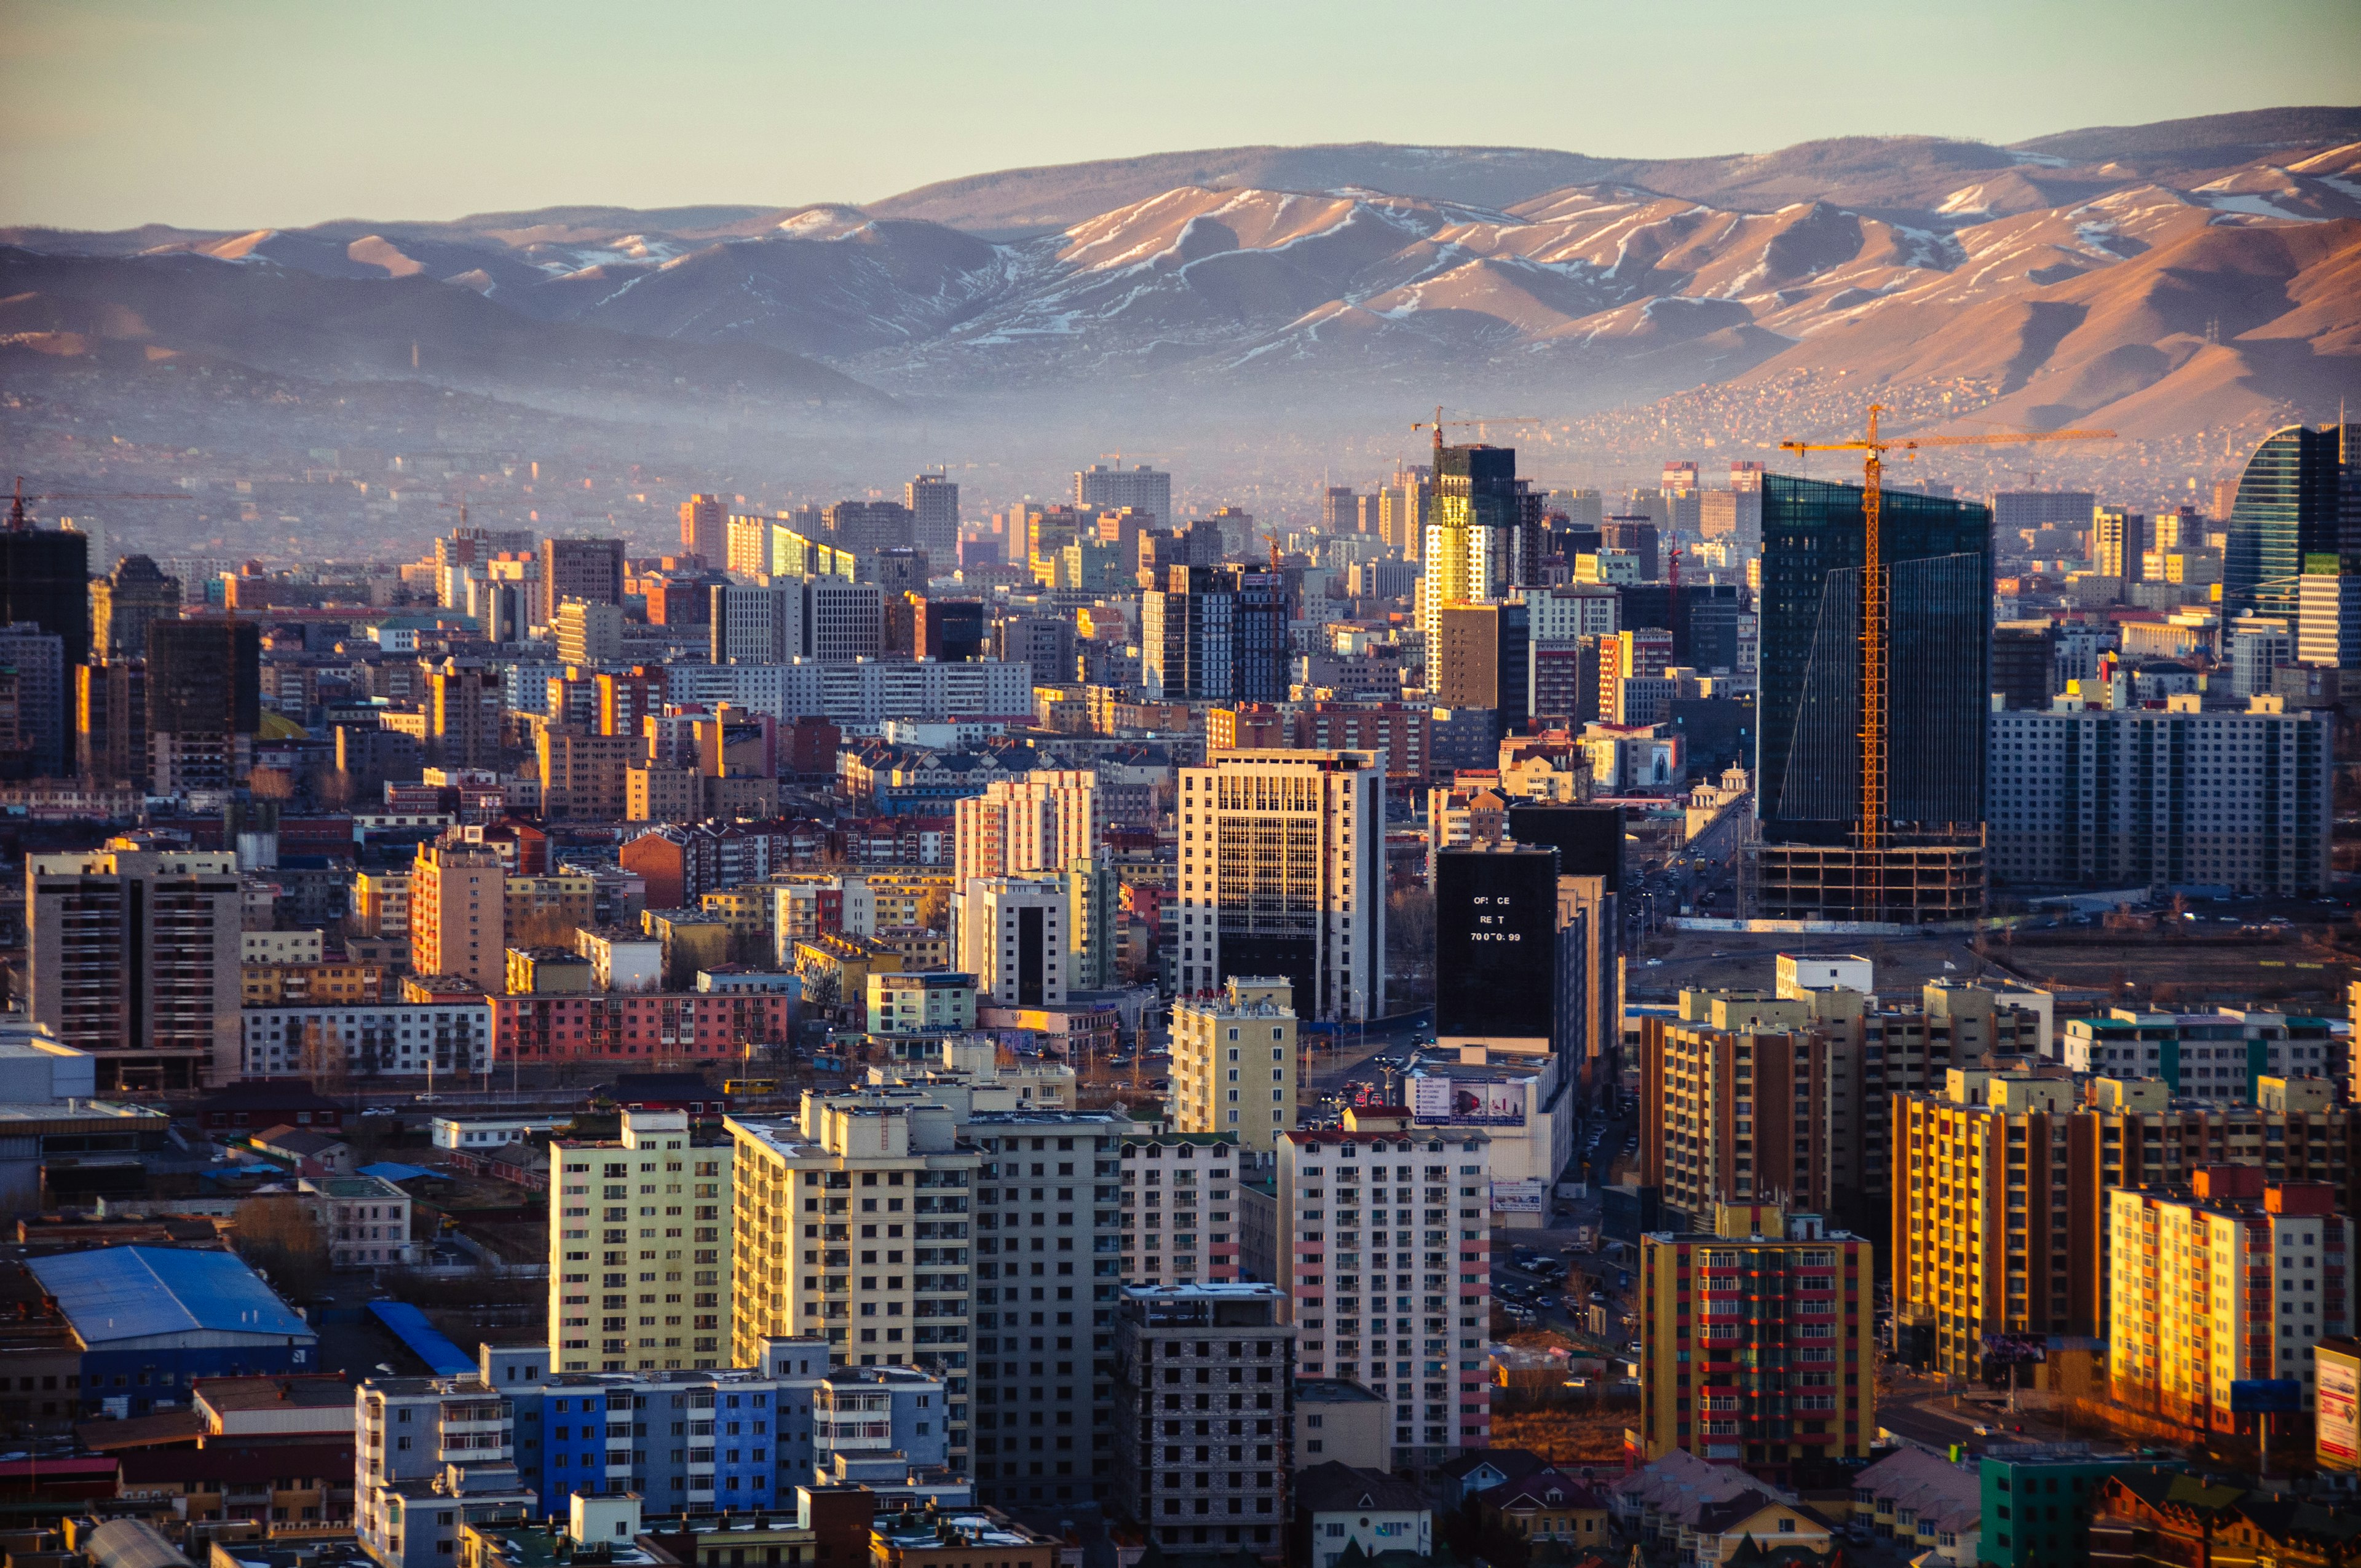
x: 2337, y: 1426
x: 1526, y: 1196
x: 1437, y: 1100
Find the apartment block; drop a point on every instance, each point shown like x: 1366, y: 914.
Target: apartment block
x: 458, y: 912
x: 1234, y: 1066
x: 1044, y: 821
x: 1985, y: 1240
x: 640, y: 1248
x: 1740, y: 1116
x: 1282, y: 872
x: 1184, y: 1197
x: 2230, y: 1280
x: 361, y: 1043
x: 1384, y: 1249
x: 133, y: 955
x: 2222, y: 1055
x: 852, y: 1228
x: 1204, y: 1415
x: 1759, y: 1341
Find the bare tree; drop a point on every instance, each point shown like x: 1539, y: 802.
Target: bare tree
x: 280, y: 1236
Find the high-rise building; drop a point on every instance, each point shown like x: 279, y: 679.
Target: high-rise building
x: 1339, y: 509
x: 1482, y: 532
x: 1047, y: 1279
x: 1235, y: 1068
x: 587, y: 569
x: 763, y: 623
x: 867, y: 527
x: 134, y: 954
x: 1044, y: 821
x: 1483, y: 660
x: 1589, y: 844
x: 950, y: 630
x: 1395, y: 1296
x: 1182, y: 1196
x: 853, y: 1225
x: 1013, y: 937
x: 1812, y: 861
x: 1758, y: 1341
x: 2118, y: 541
x: 2328, y: 612
x: 2229, y: 1281
x: 1735, y: 1116
x: 34, y: 702
x: 2115, y: 798
x: 1216, y: 633
x: 934, y: 503
x: 204, y: 702
x: 123, y: 602
x: 1507, y: 966
x: 110, y: 721
x: 1282, y: 872
x: 2290, y: 505
x: 1141, y: 487
x: 45, y: 578
x: 2020, y: 511
x: 1204, y: 1471
x: 458, y: 910
x: 846, y: 621
x: 1983, y: 1238
x: 705, y: 530
x: 643, y: 1225
x: 588, y: 633
x: 2024, y: 664
x: 465, y: 711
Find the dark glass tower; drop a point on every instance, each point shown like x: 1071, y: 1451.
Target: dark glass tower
x: 1938, y: 572
x: 205, y: 676
x: 45, y: 578
x: 2289, y: 502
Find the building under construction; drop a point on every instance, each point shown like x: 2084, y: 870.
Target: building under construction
x: 1813, y: 855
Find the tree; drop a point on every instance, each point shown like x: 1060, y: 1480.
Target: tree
x: 280, y: 1235
x: 935, y: 909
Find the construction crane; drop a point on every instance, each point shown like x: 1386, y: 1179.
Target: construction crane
x: 1438, y: 422
x: 1874, y: 689
x: 19, y: 522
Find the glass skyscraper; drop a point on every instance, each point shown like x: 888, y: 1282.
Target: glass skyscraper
x: 1939, y: 563
x: 2289, y: 501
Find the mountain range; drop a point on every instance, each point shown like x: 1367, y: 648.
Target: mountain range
x: 2158, y: 279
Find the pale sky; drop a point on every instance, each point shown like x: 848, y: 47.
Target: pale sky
x: 246, y: 114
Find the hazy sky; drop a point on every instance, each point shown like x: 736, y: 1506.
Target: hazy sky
x: 240, y: 113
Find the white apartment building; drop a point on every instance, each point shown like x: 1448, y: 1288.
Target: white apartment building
x: 767, y: 622
x: 364, y: 1041
x: 2172, y: 797
x: 1564, y: 614
x: 1013, y: 936
x: 640, y: 1248
x: 1234, y: 1062
x: 366, y: 1219
x: 1181, y: 1208
x: 860, y: 691
x: 1282, y: 872
x: 1384, y: 1251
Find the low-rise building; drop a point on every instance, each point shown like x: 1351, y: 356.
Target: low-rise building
x: 1338, y: 1421
x: 1341, y: 1506
x: 371, y: 1040
x: 367, y: 1219
x: 935, y: 1003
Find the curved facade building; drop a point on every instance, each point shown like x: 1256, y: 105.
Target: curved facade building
x: 2290, y: 503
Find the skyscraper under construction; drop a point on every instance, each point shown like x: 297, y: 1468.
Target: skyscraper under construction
x: 1809, y: 859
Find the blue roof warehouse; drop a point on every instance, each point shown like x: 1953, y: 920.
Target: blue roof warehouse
x: 150, y: 1320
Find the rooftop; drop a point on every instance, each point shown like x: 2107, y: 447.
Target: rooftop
x: 1333, y: 1391
x: 137, y: 1293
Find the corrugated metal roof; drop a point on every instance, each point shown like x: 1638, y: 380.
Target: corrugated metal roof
x: 137, y: 1292
x: 426, y: 1341
x: 394, y: 1170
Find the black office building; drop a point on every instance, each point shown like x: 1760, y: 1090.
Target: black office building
x: 205, y: 676
x: 45, y: 578
x: 1702, y: 618
x: 1588, y: 839
x: 1495, y: 944
x: 2025, y: 665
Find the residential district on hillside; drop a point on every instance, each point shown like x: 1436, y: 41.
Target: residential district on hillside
x: 1711, y: 1025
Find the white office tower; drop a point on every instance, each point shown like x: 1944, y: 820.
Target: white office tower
x: 847, y: 619
x: 1013, y: 936
x: 1141, y: 487
x: 1043, y: 822
x: 764, y: 623
x: 934, y: 504
x: 1384, y: 1252
x: 1282, y: 873
x: 640, y: 1249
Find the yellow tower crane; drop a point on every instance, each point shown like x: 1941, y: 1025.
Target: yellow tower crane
x: 1874, y: 688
